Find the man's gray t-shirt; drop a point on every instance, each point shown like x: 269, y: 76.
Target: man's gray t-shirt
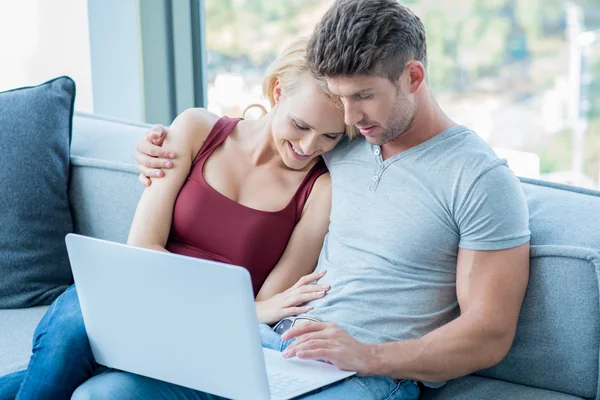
x: 396, y: 227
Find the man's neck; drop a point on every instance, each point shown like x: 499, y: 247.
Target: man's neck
x: 430, y: 120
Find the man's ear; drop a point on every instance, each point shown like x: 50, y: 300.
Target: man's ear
x: 415, y: 71
x: 277, y: 91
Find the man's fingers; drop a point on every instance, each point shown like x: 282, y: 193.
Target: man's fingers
x: 152, y: 147
x: 155, y: 163
x: 151, y: 172
x: 149, y: 147
x: 151, y: 157
x: 303, y: 329
x: 157, y: 134
x: 156, y: 137
x: 314, y: 344
x: 145, y: 180
x: 321, y: 335
x: 317, y: 354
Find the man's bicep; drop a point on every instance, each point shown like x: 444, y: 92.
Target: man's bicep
x: 490, y: 286
x: 494, y: 214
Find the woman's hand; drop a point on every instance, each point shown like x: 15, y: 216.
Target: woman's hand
x: 291, y: 302
x: 150, y: 155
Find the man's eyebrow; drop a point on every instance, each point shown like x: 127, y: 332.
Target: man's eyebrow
x: 361, y: 91
x: 358, y: 92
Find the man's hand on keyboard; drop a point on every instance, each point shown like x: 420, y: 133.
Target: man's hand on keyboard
x: 330, y: 343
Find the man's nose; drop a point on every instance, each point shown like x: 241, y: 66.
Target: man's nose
x: 352, y: 114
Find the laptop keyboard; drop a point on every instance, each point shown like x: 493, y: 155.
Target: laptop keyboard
x: 282, y: 385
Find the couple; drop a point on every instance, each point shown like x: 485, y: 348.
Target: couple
x: 424, y: 231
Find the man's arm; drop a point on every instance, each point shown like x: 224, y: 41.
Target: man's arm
x: 490, y: 290
x: 152, y: 157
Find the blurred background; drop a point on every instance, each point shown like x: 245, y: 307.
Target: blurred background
x: 524, y: 74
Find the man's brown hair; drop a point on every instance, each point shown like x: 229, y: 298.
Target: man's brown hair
x: 366, y: 37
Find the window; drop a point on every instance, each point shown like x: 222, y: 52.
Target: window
x: 41, y: 40
x: 242, y: 38
x: 524, y: 74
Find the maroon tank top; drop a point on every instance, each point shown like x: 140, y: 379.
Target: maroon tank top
x: 209, y: 225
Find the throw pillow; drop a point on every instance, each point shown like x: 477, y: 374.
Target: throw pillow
x: 35, y: 216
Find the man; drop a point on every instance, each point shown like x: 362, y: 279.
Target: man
x: 427, y: 253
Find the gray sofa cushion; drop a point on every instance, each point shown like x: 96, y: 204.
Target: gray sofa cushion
x: 35, y: 135
x: 16, y: 334
x: 557, y: 341
x: 562, y: 215
x: 477, y: 388
x: 105, y: 139
x: 104, y: 189
x: 104, y: 195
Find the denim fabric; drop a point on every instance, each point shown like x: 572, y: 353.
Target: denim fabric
x: 62, y: 358
x: 10, y: 384
x: 126, y: 386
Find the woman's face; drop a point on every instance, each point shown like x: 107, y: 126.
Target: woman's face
x: 306, y: 123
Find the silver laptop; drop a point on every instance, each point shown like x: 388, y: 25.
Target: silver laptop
x: 183, y: 320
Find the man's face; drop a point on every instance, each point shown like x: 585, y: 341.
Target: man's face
x: 381, y: 109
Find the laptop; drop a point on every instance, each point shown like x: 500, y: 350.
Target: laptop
x: 183, y: 320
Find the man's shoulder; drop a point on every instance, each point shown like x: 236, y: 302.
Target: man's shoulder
x: 344, y: 149
x: 463, y: 153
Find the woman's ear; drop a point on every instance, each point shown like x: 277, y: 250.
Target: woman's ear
x: 277, y: 91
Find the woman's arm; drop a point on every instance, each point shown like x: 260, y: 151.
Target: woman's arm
x: 279, y: 297
x: 152, y: 221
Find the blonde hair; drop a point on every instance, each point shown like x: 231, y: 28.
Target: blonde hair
x: 287, y: 67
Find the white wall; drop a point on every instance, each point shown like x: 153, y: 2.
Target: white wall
x: 43, y: 39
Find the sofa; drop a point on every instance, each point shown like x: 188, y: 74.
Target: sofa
x: 555, y: 354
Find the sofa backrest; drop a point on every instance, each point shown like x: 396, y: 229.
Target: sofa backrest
x: 558, y: 335
x: 104, y: 189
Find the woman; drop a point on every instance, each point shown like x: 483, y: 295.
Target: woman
x: 247, y: 192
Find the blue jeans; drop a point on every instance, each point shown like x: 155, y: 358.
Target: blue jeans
x: 61, y: 357
x: 126, y: 386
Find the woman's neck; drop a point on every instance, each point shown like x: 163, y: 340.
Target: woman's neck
x: 257, y: 138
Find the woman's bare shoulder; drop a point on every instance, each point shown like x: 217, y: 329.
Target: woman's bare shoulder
x: 320, y: 193
x: 322, y: 186
x: 194, y: 125
x: 197, y: 121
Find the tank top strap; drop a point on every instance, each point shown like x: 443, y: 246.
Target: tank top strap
x: 219, y: 132
x: 306, y: 186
